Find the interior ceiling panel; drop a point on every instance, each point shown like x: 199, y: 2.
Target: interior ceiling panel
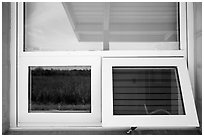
x: 100, y: 21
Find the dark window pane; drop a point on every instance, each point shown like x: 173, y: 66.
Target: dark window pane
x: 146, y: 91
x: 60, y: 89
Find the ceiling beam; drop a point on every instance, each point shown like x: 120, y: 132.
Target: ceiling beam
x: 106, y: 25
x: 68, y: 9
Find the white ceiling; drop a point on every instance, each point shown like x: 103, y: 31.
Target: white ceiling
x: 123, y: 22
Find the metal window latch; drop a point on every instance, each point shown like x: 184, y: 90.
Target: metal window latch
x: 131, y: 129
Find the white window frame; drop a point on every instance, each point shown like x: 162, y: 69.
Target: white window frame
x: 66, y: 119
x: 17, y: 54
x: 110, y: 53
x: 188, y: 120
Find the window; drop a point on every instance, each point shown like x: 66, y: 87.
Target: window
x: 50, y: 24
x: 144, y: 26
x: 59, y: 91
x: 130, y: 55
x: 101, y: 26
x: 147, y: 92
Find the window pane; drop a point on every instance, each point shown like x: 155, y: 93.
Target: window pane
x: 59, y: 89
x: 148, y: 23
x: 76, y: 26
x: 49, y: 27
x: 146, y: 91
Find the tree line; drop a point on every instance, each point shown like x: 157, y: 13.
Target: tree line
x: 39, y: 71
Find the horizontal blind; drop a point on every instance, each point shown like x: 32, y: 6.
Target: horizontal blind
x: 146, y: 91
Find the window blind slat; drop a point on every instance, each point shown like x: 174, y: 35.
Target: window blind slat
x: 144, y: 83
x: 137, y: 90
x: 147, y: 102
x: 144, y: 96
x: 134, y: 76
x: 150, y: 108
x: 129, y: 112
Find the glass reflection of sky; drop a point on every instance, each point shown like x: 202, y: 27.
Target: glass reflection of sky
x: 47, y: 28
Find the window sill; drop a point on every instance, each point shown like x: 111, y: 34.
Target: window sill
x: 101, y: 131
x: 93, y: 128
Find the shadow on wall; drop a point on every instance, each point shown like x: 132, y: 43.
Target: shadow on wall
x: 198, y: 58
x: 6, y: 7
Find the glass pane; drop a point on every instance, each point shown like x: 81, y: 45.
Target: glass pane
x: 147, y: 23
x: 51, y: 26
x: 57, y: 89
x: 76, y: 26
x: 146, y: 91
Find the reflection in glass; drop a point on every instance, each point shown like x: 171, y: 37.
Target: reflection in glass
x: 59, y: 89
x: 147, y: 24
x: 146, y: 91
x: 48, y: 27
x: 78, y: 26
x: 145, y: 21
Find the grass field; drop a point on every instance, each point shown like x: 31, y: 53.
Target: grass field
x: 60, y: 90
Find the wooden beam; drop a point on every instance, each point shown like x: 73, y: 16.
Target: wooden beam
x: 71, y: 18
x: 106, y: 26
